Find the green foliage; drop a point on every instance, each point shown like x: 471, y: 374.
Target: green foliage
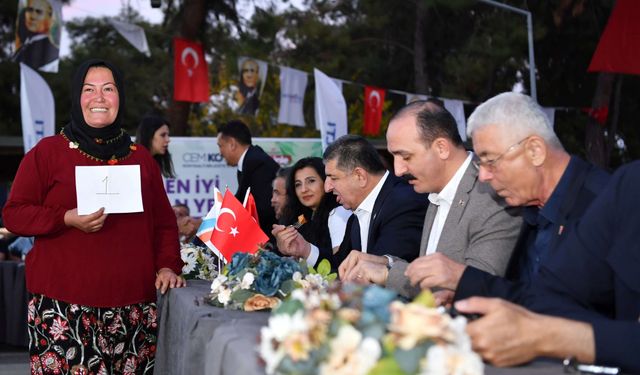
x: 472, y: 52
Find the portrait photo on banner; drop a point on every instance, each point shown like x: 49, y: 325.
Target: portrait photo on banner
x: 38, y: 29
x: 253, y: 75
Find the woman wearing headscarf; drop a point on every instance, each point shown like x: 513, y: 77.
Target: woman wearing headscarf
x: 153, y: 134
x: 92, y: 278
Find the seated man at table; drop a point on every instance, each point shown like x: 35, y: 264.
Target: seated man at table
x: 524, y: 162
x: 593, y: 284
x: 387, y: 213
x: 465, y: 220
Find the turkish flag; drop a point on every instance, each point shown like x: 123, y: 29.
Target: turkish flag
x: 373, y: 102
x: 190, y: 73
x: 250, y: 205
x: 618, y: 50
x: 235, y: 230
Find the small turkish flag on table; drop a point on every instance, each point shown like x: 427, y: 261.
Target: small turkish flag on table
x: 190, y: 73
x: 235, y: 230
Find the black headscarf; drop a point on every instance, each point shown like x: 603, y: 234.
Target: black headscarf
x: 109, y: 142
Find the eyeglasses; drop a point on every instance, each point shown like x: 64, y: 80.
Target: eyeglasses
x: 491, y: 164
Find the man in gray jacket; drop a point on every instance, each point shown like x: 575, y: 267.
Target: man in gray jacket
x: 465, y: 220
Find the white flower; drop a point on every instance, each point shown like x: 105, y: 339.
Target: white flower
x: 315, y: 280
x: 299, y: 294
x: 449, y: 360
x: 224, y: 295
x: 247, y: 280
x: 217, y: 283
x: 270, y: 352
x: 297, y: 276
x: 350, y: 354
x: 189, y: 264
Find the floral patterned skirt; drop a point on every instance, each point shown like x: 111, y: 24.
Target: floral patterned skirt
x: 80, y: 340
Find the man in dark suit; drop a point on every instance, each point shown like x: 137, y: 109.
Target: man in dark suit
x: 593, y: 283
x: 256, y: 169
x: 524, y: 162
x: 465, y: 221
x: 387, y: 213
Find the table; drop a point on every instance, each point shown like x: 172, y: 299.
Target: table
x: 13, y: 304
x: 195, y: 338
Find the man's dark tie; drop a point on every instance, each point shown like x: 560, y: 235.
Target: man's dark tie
x: 356, y: 242
x: 351, y: 240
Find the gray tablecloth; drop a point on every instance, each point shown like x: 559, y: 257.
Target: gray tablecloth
x: 187, y: 329
x: 195, y: 338
x: 13, y: 304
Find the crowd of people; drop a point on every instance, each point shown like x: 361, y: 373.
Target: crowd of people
x: 538, y: 245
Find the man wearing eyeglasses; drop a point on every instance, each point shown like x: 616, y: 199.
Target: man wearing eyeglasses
x: 465, y: 221
x: 522, y: 159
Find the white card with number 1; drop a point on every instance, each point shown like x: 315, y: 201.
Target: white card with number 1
x: 117, y: 188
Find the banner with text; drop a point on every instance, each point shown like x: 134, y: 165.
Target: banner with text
x: 200, y: 167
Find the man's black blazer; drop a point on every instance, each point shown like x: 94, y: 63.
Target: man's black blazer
x: 396, y: 224
x: 588, y: 182
x: 258, y: 172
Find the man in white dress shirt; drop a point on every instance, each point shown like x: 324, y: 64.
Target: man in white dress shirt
x: 387, y: 212
x: 465, y: 220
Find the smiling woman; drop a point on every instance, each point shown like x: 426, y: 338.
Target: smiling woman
x: 86, y: 272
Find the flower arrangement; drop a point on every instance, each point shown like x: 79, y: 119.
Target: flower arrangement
x: 354, y: 330
x: 261, y: 281
x: 199, y: 263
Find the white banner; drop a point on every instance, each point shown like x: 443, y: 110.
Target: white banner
x: 293, y: 84
x: 331, y: 109
x: 36, y: 106
x: 551, y: 115
x: 134, y: 34
x: 200, y: 168
x: 456, y: 107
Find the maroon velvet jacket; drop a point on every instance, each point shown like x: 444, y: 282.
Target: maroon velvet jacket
x: 115, y: 266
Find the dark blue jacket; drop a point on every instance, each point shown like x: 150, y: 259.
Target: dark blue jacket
x: 587, y: 183
x: 596, y: 275
x: 396, y: 224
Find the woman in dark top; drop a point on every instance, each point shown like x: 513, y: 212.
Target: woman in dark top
x: 306, y: 196
x: 153, y: 134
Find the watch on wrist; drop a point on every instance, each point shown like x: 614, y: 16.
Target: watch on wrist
x: 389, y: 261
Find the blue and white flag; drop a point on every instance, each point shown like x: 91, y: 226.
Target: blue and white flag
x: 456, y: 108
x: 293, y: 84
x: 205, y: 231
x: 37, y: 107
x: 331, y: 109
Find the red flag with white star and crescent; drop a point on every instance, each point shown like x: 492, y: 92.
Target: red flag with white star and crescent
x: 373, y: 103
x: 235, y: 230
x: 191, y: 77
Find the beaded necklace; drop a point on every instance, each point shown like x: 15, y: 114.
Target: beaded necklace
x: 113, y: 160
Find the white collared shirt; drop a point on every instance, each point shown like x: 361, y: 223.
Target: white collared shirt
x: 443, y: 201
x: 241, y: 160
x: 364, y: 210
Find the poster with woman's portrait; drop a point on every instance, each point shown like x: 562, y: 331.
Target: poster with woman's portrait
x: 253, y: 74
x: 38, y: 29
